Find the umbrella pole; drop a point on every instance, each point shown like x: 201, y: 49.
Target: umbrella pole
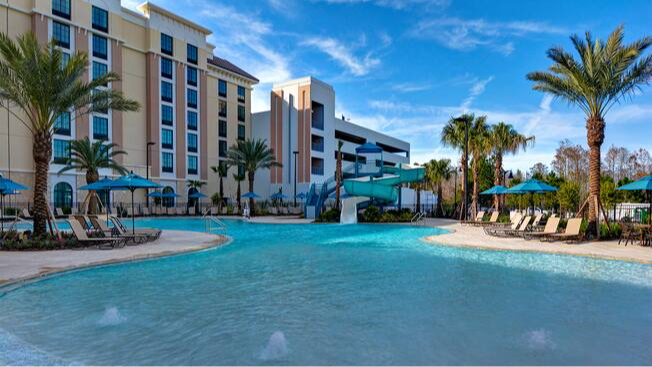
x: 133, y: 222
x: 2, y: 214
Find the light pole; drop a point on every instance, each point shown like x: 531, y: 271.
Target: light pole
x: 295, y: 153
x: 149, y: 144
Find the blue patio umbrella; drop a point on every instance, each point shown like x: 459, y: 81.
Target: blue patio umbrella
x: 531, y: 186
x: 155, y: 194
x: 101, y: 185
x: 279, y: 195
x: 132, y: 182
x: 250, y: 195
x: 301, y: 196
x: 197, y: 195
x: 7, y: 187
x: 644, y: 184
x: 496, y: 190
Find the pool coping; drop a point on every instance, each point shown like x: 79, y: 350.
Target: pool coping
x: 16, y: 283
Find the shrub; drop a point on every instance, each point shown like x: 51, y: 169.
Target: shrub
x: 371, y: 215
x: 13, y: 242
x: 329, y: 216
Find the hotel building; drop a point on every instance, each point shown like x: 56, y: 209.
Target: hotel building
x: 194, y: 105
x: 302, y: 129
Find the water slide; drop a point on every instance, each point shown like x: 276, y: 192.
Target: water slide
x: 384, y: 188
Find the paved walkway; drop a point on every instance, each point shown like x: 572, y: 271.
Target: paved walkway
x: 467, y: 236
x: 17, y: 266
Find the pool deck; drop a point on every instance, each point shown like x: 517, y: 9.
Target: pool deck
x: 474, y: 237
x: 20, y: 266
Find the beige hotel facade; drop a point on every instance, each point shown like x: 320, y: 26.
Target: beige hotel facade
x: 194, y: 105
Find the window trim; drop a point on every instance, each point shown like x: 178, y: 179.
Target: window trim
x: 165, y: 98
x: 101, y: 137
x: 193, y: 71
x: 221, y: 82
x: 190, y: 102
x: 193, y: 126
x: 164, y: 133
x: 99, y: 27
x: 164, y: 74
x: 165, y: 122
x: 58, y: 42
x: 219, y: 128
x: 62, y: 14
x: 194, y: 148
x: 164, y: 168
x: 169, y: 52
x: 196, y: 59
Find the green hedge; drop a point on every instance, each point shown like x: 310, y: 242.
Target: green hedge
x: 12, y: 242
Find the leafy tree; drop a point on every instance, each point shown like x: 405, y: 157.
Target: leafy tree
x: 569, y: 196
x: 437, y: 172
x: 606, y: 72
x: 222, y: 171
x: 91, y: 157
x: 34, y: 80
x: 238, y: 179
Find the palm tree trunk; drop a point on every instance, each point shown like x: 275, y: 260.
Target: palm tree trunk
x: 595, y: 138
x: 498, y: 179
x: 476, y: 188
x: 93, y: 204
x: 238, y: 196
x: 418, y: 208
x: 251, y: 189
x: 42, y: 152
x: 440, y: 201
x: 464, y: 180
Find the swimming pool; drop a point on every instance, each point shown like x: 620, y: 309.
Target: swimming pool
x: 334, y: 294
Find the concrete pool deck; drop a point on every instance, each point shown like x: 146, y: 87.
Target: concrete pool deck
x: 16, y: 266
x: 474, y: 237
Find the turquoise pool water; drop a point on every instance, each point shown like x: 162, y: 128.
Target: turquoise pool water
x: 333, y: 294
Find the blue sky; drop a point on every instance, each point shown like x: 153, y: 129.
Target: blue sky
x: 405, y: 66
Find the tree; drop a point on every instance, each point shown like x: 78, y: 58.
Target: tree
x: 479, y: 146
x: 338, y: 174
x: 222, y: 171
x: 253, y: 155
x: 569, y: 196
x: 238, y: 178
x: 437, y: 172
x: 195, y: 184
x: 452, y: 136
x: 34, y: 80
x: 606, y: 73
x: 505, y: 140
x: 538, y: 171
x: 91, y: 157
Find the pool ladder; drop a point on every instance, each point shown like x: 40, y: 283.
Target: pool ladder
x: 213, y: 224
x: 418, y: 218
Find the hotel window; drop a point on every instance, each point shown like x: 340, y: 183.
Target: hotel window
x: 224, y: 166
x: 222, y: 148
x: 166, y: 139
x: 192, y: 76
x: 241, y: 170
x: 100, y: 49
x: 241, y: 132
x: 192, y: 54
x: 167, y: 44
x: 167, y: 115
x: 192, y: 120
x: 221, y: 88
x: 241, y: 113
x: 100, y: 19
x: 192, y: 143
x: 61, y: 8
x: 317, y: 166
x: 62, y: 195
x: 222, y: 129
x: 241, y: 94
x: 65, y: 58
x: 166, y: 92
x: 192, y: 98
x: 99, y: 70
x: 317, y: 143
x: 100, y: 128
x: 167, y: 166
x: 61, y: 151
x: 99, y: 108
x: 62, y: 124
x: 192, y: 165
x: 222, y: 108
x: 166, y: 68
x: 61, y: 34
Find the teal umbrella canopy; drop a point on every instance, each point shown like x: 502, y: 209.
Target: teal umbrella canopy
x: 301, y: 196
x: 132, y: 182
x: 531, y: 186
x: 155, y: 194
x: 9, y: 186
x: 496, y: 190
x: 250, y: 195
x: 279, y: 196
x: 100, y: 185
x: 197, y: 195
x: 644, y: 184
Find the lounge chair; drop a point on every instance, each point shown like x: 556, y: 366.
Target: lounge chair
x: 478, y: 218
x: 146, y: 212
x: 152, y: 234
x: 191, y: 211
x: 552, y: 225
x: 572, y: 232
x: 501, y: 227
x: 102, y: 243
x: 492, y: 220
x: 537, y: 220
x: 236, y: 211
x: 181, y: 211
x: 102, y: 227
x: 518, y: 231
x: 26, y: 214
x: 74, y: 211
x: 58, y: 213
x: 83, y: 221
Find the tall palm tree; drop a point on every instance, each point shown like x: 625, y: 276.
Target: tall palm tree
x: 452, y: 136
x: 238, y: 178
x: 197, y: 185
x: 606, y: 72
x: 479, y: 146
x: 222, y: 171
x: 34, y: 81
x: 91, y: 157
x: 253, y: 155
x: 505, y: 140
x: 338, y: 173
x: 437, y: 172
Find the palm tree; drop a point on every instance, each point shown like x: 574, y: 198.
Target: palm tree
x: 34, y: 81
x: 238, y: 178
x: 197, y: 185
x: 505, y: 140
x: 438, y: 171
x: 479, y: 146
x: 605, y: 73
x: 91, y: 157
x: 252, y: 155
x: 452, y: 136
x: 222, y: 171
x: 338, y: 173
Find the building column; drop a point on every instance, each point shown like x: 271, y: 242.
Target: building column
x: 180, y: 128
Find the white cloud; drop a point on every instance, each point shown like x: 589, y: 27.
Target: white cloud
x: 410, y: 87
x: 344, y: 55
x: 395, y: 4
x: 468, y: 34
x: 476, y: 90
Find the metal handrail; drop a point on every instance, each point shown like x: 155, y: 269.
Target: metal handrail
x: 418, y: 217
x: 213, y: 223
